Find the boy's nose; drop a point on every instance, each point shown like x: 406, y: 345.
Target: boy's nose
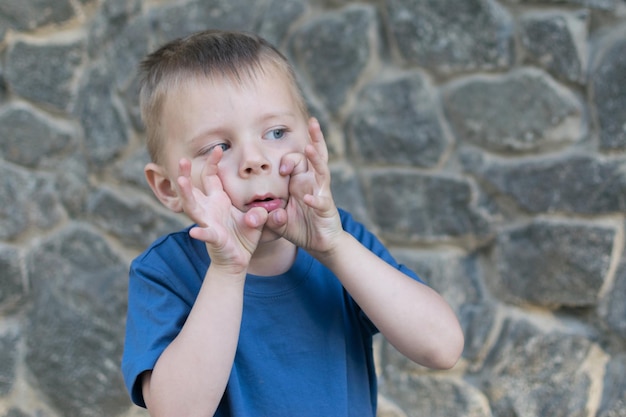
x: 254, y: 162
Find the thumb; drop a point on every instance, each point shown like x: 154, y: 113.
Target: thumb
x: 256, y: 217
x: 293, y: 164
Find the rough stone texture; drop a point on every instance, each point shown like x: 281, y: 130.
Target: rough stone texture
x: 575, y: 183
x: 437, y: 397
x: 396, y: 123
x: 477, y: 36
x: 105, y: 130
x: 593, y: 4
x: 342, y: 42
x: 29, y: 136
x: 613, y: 306
x: 50, y: 68
x: 538, y: 374
x: 13, y: 280
x: 483, y: 140
x: 608, y: 81
x: 74, y: 324
x: 550, y: 40
x: 31, y: 14
x: 8, y: 361
x: 25, y: 200
x: 132, y: 220
x: 614, y: 393
x: 409, y: 206
x: 553, y: 263
x: 521, y: 111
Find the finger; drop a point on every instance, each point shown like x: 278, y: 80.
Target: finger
x: 188, y: 193
x: 317, y: 138
x: 256, y: 218
x: 210, y: 180
x: 319, y: 165
x: 184, y: 185
x: 318, y: 202
x: 293, y: 164
x: 277, y: 221
x: 205, y: 234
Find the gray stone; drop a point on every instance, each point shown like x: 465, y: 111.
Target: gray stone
x: 574, y: 183
x: 397, y: 123
x: 553, y: 263
x: 127, y: 50
x: 556, y: 41
x: 15, y: 412
x: 530, y: 373
x: 613, y: 402
x: 112, y: 18
x: 76, y: 326
x: 8, y: 360
x: 478, y: 35
x: 451, y: 274
x: 72, y: 181
x: 26, y: 199
x: 120, y: 10
x: 614, y: 307
x: 332, y: 51
x: 51, y: 68
x: 3, y: 83
x: 46, y: 209
x: 106, y: 131
x: 130, y: 218
x: 278, y: 17
x: 412, y: 207
x: 592, y: 4
x: 16, y: 189
x: 13, y: 287
x: 608, y: 83
x: 28, y: 136
x: 31, y: 14
x: 130, y: 170
x: 348, y: 194
x: 181, y: 19
x: 435, y: 396
x: 522, y: 111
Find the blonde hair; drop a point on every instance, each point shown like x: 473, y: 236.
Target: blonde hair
x: 236, y: 56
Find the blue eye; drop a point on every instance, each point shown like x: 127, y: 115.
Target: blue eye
x: 276, y: 134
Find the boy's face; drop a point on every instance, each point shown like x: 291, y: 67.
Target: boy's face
x: 256, y: 123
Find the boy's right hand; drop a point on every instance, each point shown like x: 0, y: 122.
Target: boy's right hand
x: 231, y: 236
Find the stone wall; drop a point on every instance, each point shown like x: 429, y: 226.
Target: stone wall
x: 484, y: 141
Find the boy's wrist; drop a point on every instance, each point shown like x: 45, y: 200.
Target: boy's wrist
x: 229, y: 273
x: 334, y: 253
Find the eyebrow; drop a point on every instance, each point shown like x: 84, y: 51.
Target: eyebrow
x: 203, y: 134
x: 279, y: 115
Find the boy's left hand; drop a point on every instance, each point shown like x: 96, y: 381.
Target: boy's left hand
x: 310, y: 219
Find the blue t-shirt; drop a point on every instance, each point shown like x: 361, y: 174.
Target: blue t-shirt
x: 305, y: 346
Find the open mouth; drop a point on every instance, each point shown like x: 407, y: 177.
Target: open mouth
x: 269, y: 203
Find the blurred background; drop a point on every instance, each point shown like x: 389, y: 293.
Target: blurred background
x: 483, y: 141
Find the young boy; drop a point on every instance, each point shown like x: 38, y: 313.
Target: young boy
x: 268, y: 304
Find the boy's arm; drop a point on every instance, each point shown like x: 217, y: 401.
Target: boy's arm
x: 190, y: 376
x: 192, y: 372
x: 412, y: 316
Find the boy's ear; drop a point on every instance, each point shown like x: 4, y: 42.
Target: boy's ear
x: 162, y: 187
